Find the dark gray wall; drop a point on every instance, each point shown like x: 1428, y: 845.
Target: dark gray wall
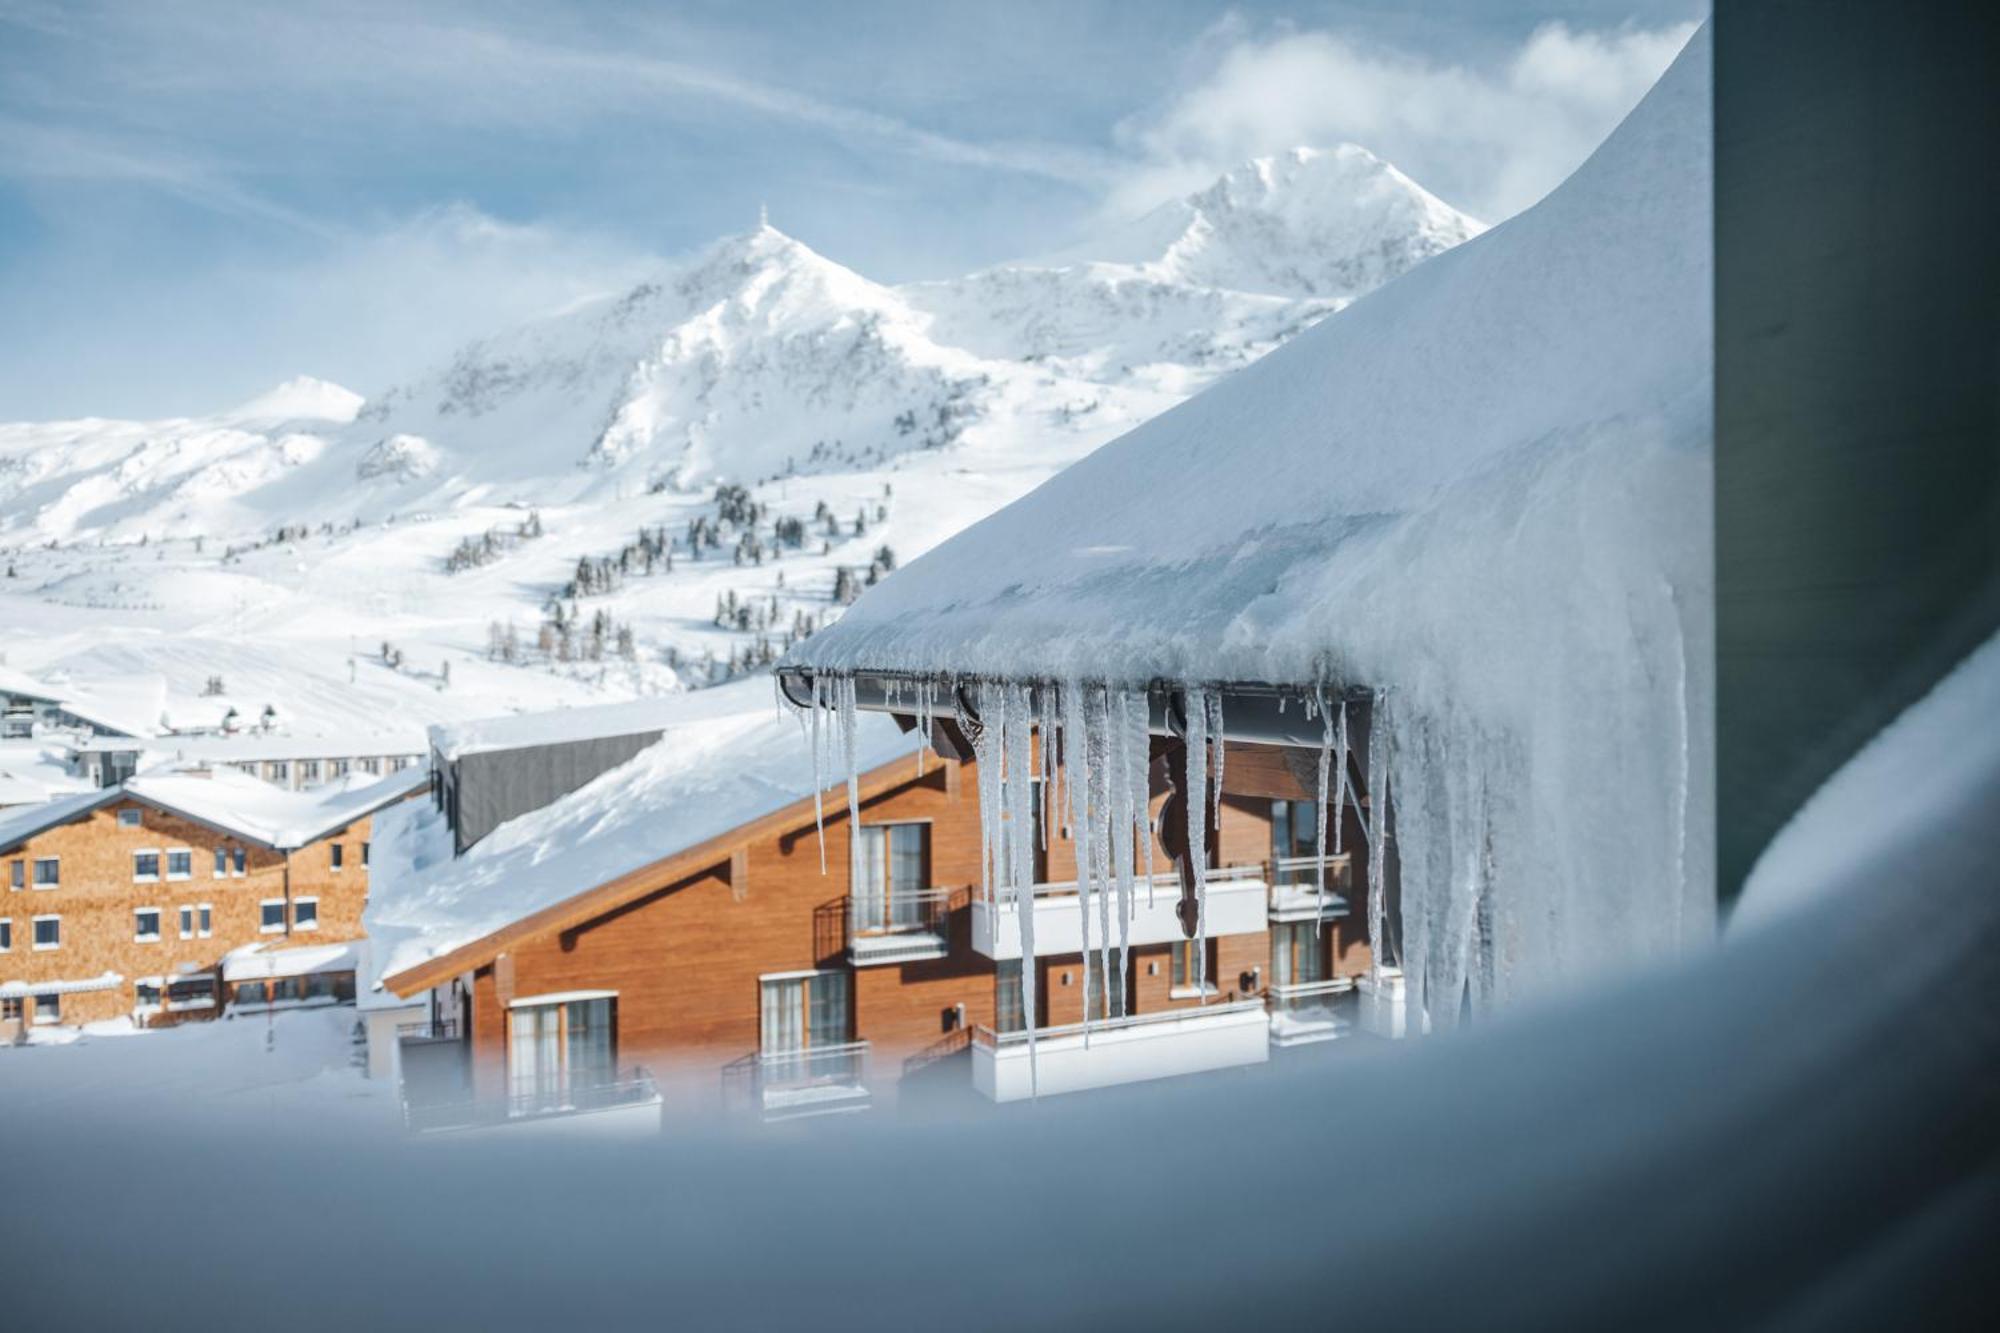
x: 493, y: 787
x: 1857, y: 381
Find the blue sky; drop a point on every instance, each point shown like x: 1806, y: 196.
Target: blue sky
x: 199, y: 199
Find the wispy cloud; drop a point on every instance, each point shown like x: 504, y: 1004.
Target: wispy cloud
x: 1491, y: 140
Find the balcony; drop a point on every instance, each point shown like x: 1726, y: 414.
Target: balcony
x: 1122, y: 1050
x: 1295, y: 892
x: 901, y: 928
x: 630, y: 1089
x: 1236, y: 906
x: 790, y: 1085
x: 1310, y: 1011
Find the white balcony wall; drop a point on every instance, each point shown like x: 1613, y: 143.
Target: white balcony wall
x: 1235, y: 907
x: 1191, y: 1041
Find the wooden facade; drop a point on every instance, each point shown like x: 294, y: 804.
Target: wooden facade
x: 689, y: 951
x: 212, y: 891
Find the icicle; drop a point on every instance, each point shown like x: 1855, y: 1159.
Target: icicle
x: 1144, y: 811
x: 1122, y: 826
x: 1319, y: 806
x: 844, y: 697
x: 1216, y: 747
x: 1340, y: 779
x: 1018, y: 735
x: 819, y: 779
x: 1378, y: 852
x: 1076, y: 778
x: 1195, y: 789
x: 1100, y: 838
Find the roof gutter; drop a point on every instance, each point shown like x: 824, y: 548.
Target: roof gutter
x: 1252, y: 710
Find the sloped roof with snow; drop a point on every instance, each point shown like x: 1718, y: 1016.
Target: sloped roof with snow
x: 252, y: 962
x: 729, y: 756
x: 23, y: 685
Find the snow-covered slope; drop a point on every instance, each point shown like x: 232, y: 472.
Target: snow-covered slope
x: 281, y: 544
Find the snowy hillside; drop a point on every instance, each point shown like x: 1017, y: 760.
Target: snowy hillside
x: 538, y: 520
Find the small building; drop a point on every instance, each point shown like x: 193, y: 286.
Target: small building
x: 669, y: 930
x: 25, y: 704
x: 499, y: 768
x: 295, y: 762
x: 126, y: 901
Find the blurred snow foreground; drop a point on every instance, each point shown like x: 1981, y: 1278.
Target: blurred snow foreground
x: 1481, y: 494
x: 1797, y: 1127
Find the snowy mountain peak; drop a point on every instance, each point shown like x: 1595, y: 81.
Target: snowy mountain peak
x: 301, y: 398
x: 1309, y: 223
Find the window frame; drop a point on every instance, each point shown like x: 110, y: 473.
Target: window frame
x: 336, y: 853
x: 297, y: 903
x: 204, y: 918
x: 185, y: 918
x: 140, y: 985
x: 139, y: 934
x: 131, y: 816
x: 264, y: 924
x: 54, y: 1001
x: 36, y: 880
x: 1181, y: 971
x: 34, y: 931
x: 17, y: 874
x: 167, y: 864
x: 6, y: 934
x: 159, y: 865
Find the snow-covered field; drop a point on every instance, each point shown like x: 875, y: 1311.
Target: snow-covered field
x: 281, y: 545
x: 295, y: 1066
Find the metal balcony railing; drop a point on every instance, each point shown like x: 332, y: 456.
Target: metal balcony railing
x: 994, y: 1041
x: 1310, y: 1010
x: 632, y: 1087
x: 813, y: 1080
x: 898, y: 927
x: 1166, y: 879
x: 444, y: 1029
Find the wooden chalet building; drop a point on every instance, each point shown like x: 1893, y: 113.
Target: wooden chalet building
x: 155, y: 898
x: 685, y: 942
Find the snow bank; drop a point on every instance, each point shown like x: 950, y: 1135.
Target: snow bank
x: 1482, y: 490
x: 729, y: 757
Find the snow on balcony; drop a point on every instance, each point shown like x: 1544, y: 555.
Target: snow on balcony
x: 1295, y: 889
x: 1235, y: 907
x: 1124, y: 1050
x: 1310, y: 1011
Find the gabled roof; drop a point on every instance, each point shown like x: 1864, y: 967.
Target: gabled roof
x: 25, y: 686
x: 729, y: 770
x: 234, y: 803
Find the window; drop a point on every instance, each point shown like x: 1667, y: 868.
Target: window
x: 180, y: 864
x: 6, y: 934
x: 1298, y: 953
x: 339, y: 854
x: 187, y: 923
x: 1094, y: 999
x: 319, y: 986
x: 371, y: 766
x: 277, y: 770
x: 206, y: 915
x: 146, y: 925
x: 285, y: 988
x: 145, y: 866
x: 556, y: 1048
x: 340, y: 767
x: 48, y: 1008
x: 309, y: 770
x: 1008, y: 1015
x: 271, y: 916
x: 10, y: 1006
x: 48, y: 932
x: 146, y: 994
x: 17, y: 875
x: 129, y: 817
x: 48, y: 872
x: 892, y: 870
x: 364, y: 856
x: 191, y: 993
x: 237, y: 858
x: 797, y: 1013
x: 305, y: 914
x: 221, y: 862
x: 252, y: 992
x: 1187, y: 976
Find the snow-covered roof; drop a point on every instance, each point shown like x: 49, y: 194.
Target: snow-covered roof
x: 555, y: 726
x: 234, y: 802
x: 260, y: 812
x: 250, y: 747
x: 728, y: 757
x: 25, y: 686
x: 253, y: 962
